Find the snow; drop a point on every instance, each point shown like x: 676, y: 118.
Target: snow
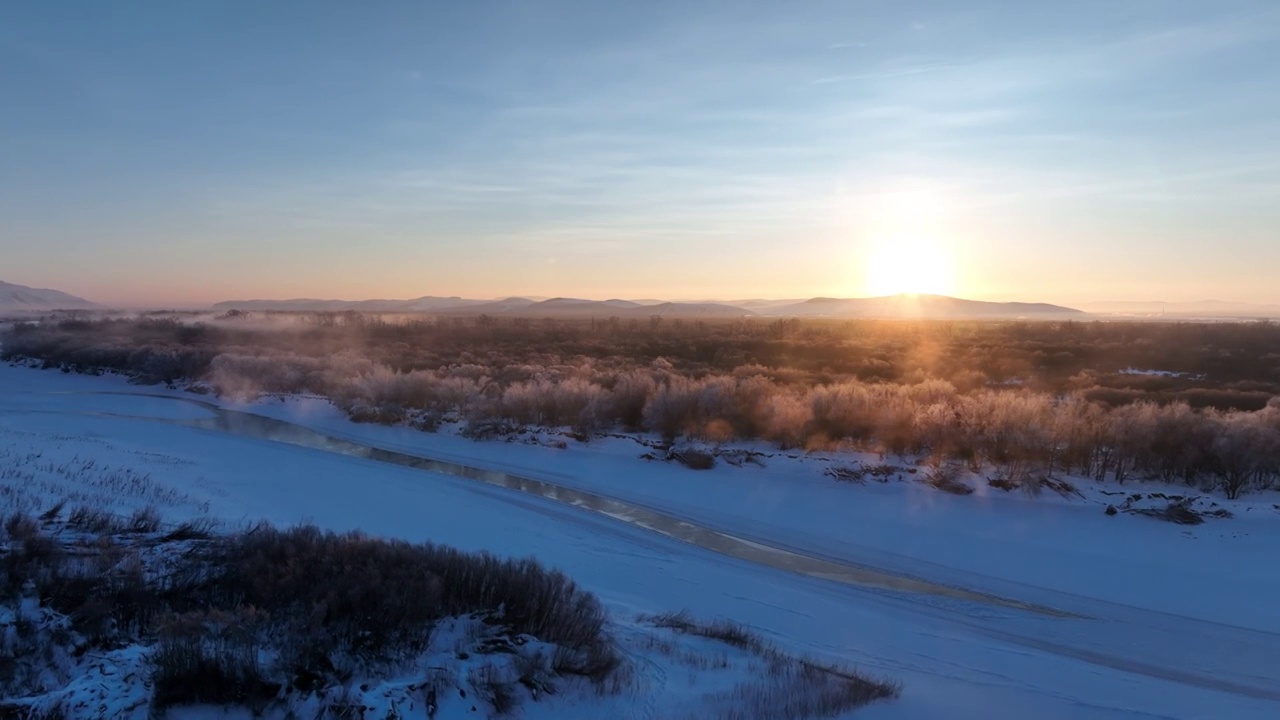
x: 1158, y: 373
x: 789, y: 503
x: 1165, y: 620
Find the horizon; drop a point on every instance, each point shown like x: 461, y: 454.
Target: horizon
x: 575, y: 359
x: 1202, y: 308
x: 166, y: 156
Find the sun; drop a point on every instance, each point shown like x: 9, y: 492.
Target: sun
x: 907, y: 250
x: 918, y: 266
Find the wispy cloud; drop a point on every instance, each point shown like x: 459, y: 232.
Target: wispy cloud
x: 681, y: 129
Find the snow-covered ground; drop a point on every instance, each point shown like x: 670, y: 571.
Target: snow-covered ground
x: 1153, y: 619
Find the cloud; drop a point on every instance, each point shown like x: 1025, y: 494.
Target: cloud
x: 699, y: 135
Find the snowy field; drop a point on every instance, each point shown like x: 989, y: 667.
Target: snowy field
x: 1088, y: 615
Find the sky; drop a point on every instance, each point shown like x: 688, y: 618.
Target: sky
x: 178, y: 154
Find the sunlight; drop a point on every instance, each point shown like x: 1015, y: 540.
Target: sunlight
x: 907, y: 252
x: 909, y: 265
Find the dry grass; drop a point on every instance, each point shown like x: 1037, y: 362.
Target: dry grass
x: 729, y: 633
x: 786, y: 687
x: 799, y: 689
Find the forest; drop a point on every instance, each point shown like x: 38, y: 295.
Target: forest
x: 1190, y: 403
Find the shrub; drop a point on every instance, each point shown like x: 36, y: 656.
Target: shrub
x: 947, y: 479
x: 598, y: 662
x: 209, y: 657
x: 1175, y: 512
x: 20, y: 526
x: 53, y: 512
x: 482, y: 429
x: 844, y: 473
x: 146, y: 520
x: 884, y: 473
x: 1023, y: 398
x: 379, y: 599
x: 693, y: 459
x: 200, y: 529
x: 335, y: 593
x: 322, y: 605
x: 494, y: 688
x: 94, y: 521
x: 1004, y: 484
x: 29, y: 557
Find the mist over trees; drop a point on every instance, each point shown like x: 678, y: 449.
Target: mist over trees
x: 1194, y: 404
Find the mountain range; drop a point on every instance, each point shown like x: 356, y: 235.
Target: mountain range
x: 894, y: 306
x: 422, y: 304
x: 23, y: 299
x: 919, y: 306
x: 19, y: 299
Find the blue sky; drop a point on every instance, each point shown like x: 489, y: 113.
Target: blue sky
x: 182, y: 153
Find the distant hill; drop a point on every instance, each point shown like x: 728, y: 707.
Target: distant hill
x: 761, y: 305
x: 920, y: 306
x: 626, y: 308
x: 578, y: 308
x: 686, y: 309
x: 422, y: 304
x: 496, y: 307
x: 894, y: 306
x: 1205, y: 309
x: 556, y: 306
x: 23, y: 299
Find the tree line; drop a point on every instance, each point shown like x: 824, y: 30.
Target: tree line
x: 937, y: 399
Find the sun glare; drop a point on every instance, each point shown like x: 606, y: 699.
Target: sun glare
x: 909, y: 265
x: 906, y: 250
